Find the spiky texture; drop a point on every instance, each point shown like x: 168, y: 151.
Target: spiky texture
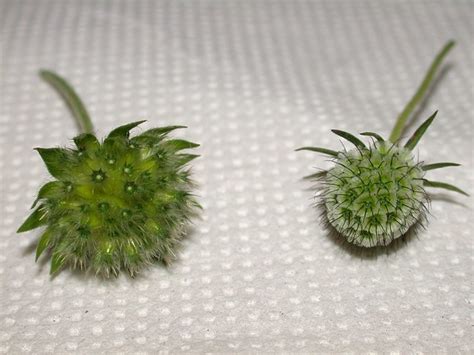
x: 376, y: 193
x: 117, y: 205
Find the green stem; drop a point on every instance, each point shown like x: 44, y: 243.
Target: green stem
x: 72, y: 99
x: 420, y: 93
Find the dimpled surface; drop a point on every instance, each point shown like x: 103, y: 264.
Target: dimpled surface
x: 252, y: 80
x: 374, y: 195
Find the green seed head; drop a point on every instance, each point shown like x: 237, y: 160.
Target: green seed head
x: 116, y: 205
x: 376, y: 194
x: 373, y: 196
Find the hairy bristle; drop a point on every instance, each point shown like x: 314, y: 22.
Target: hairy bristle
x: 375, y: 195
x: 117, y: 205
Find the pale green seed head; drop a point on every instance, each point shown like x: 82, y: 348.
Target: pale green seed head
x: 375, y: 195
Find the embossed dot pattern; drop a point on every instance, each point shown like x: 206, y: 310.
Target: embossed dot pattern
x: 253, y: 80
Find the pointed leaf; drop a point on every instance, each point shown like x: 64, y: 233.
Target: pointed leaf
x: 443, y: 185
x: 46, y: 190
x: 319, y: 150
x: 350, y: 137
x: 316, y: 176
x: 180, y: 144
x: 142, y: 140
x: 124, y: 131
x: 154, y: 136
x: 438, y: 165
x: 186, y: 158
x: 412, y: 142
x: 55, y: 160
x: 43, y: 243
x: 57, y: 261
x: 160, y: 131
x: 35, y: 220
x: 116, y: 143
x: 372, y: 134
x: 86, y: 141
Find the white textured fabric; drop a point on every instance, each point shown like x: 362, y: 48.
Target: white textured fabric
x: 253, y: 80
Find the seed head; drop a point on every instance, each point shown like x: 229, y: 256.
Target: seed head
x: 374, y: 195
x: 115, y: 205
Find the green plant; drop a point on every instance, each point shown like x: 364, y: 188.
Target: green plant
x: 376, y: 193
x: 119, y: 204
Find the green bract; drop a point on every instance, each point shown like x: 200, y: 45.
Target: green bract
x: 120, y: 204
x: 376, y: 193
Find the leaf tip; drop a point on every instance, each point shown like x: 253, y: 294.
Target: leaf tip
x: 57, y: 263
x: 43, y: 73
x: 21, y: 229
x: 451, y: 43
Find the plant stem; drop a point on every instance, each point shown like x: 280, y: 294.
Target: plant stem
x: 72, y: 100
x: 419, y: 94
